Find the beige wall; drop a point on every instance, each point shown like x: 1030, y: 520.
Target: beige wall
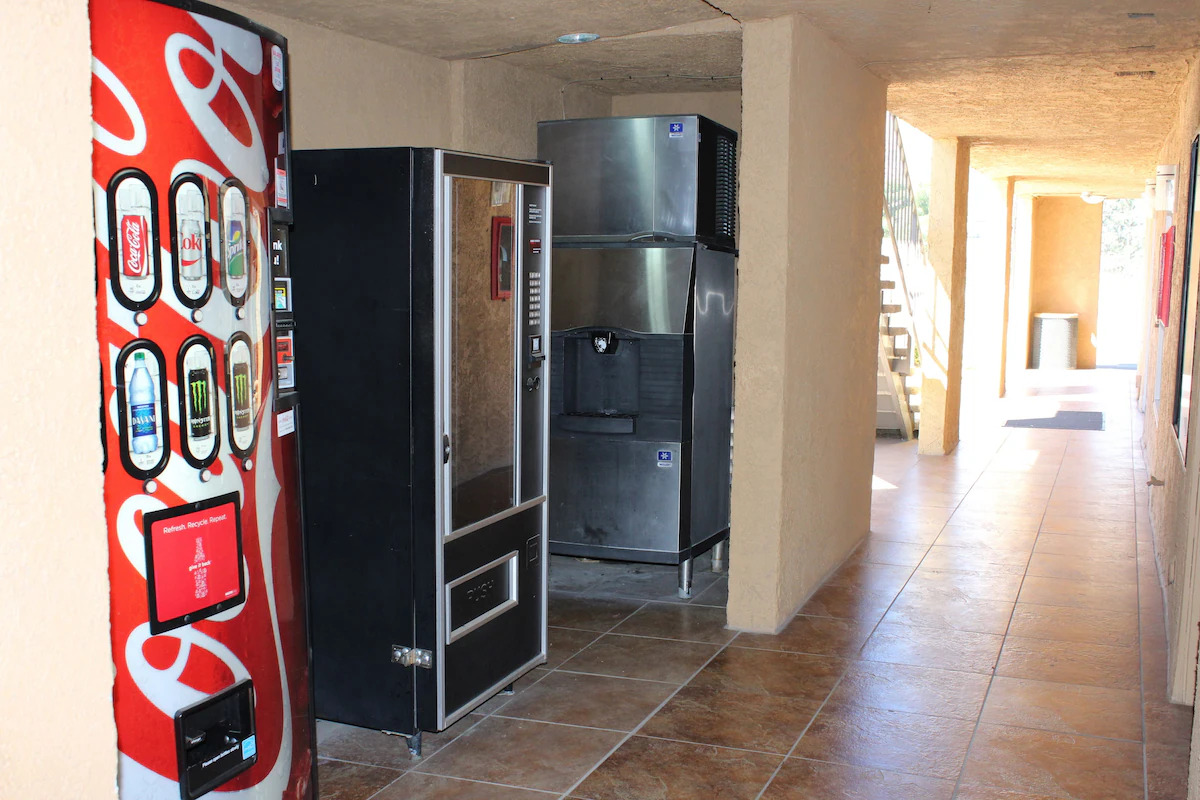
x: 810, y: 206
x: 1017, y: 349
x: 1065, y: 266
x: 348, y: 92
x: 722, y: 107
x: 499, y: 106
x: 57, y: 738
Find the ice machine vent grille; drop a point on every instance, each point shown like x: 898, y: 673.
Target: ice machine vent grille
x: 726, y: 193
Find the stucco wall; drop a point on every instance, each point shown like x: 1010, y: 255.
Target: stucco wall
x: 810, y: 205
x: 1065, y: 266
x: 498, y: 107
x: 722, y: 107
x: 57, y: 738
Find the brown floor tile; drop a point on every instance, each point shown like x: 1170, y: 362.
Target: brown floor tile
x: 1054, y: 764
x: 906, y: 532
x: 995, y: 521
x: 1068, y: 624
x: 1167, y: 772
x: 653, y: 769
x: 870, y: 577
x: 955, y: 536
x: 367, y: 746
x: 991, y: 793
x: 1168, y: 724
x: 1070, y: 662
x: 589, y: 700
x: 1081, y: 594
x: 519, y: 687
x: 1065, y: 708
x: 637, y: 657
x: 341, y: 780
x: 891, y: 740
x: 1087, y: 527
x: 975, y: 585
x: 1083, y: 568
x: 959, y: 613
x: 1071, y: 545
x: 562, y: 643
x: 715, y: 595
x: 727, y: 718
x: 414, y: 786
x: 589, y: 614
x: 904, y: 554
x: 986, y: 560
x: 794, y: 675
x: 933, y: 647
x: 800, y: 778
x: 675, y: 621
x: 914, y: 690
x: 848, y: 602
x: 1093, y: 511
x: 517, y: 752
x: 822, y: 636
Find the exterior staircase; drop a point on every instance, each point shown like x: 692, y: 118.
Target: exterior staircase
x: 903, y: 267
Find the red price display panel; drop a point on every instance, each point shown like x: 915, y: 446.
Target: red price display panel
x: 194, y: 561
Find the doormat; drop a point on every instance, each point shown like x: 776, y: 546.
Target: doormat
x: 1064, y: 421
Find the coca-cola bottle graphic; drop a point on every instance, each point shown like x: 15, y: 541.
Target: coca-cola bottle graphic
x: 135, y: 238
x: 199, y: 570
x: 143, y: 409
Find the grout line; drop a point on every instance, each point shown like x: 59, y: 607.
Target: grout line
x: 803, y: 732
x: 476, y: 780
x: 1003, y: 644
x: 614, y: 677
x: 642, y: 724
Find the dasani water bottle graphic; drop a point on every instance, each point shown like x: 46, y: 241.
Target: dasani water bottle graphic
x: 143, y: 408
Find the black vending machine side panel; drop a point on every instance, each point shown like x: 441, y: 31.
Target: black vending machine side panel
x: 350, y: 268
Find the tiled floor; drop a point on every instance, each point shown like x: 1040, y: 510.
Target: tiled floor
x: 999, y: 636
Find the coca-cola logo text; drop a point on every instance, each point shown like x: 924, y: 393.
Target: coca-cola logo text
x: 133, y: 231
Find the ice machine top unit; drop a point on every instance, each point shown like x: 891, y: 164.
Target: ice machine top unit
x: 629, y: 179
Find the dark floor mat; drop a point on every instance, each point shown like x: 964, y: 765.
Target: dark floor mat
x: 1064, y: 420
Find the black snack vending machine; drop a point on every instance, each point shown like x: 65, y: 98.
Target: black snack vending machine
x: 421, y: 276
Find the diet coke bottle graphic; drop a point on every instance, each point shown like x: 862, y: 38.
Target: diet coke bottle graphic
x: 143, y: 409
x: 191, y: 252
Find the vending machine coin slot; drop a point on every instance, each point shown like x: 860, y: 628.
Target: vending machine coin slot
x: 215, y: 740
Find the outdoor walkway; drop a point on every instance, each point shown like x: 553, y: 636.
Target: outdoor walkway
x: 999, y: 636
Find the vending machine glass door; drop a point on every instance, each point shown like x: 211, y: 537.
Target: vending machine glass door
x: 491, y: 571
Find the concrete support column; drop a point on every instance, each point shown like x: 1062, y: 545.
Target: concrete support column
x: 1009, y: 188
x: 810, y: 186
x: 941, y: 353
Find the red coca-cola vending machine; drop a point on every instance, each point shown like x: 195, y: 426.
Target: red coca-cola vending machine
x: 199, y: 412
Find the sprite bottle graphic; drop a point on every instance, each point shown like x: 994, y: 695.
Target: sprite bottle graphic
x: 199, y: 404
x: 241, y: 396
x: 143, y: 409
x: 236, y: 267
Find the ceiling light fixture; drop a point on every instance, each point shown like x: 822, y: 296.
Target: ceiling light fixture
x: 578, y: 38
x: 1140, y: 15
x: 1094, y: 199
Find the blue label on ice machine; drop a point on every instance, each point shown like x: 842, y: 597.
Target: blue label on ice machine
x: 664, y: 458
x: 676, y: 131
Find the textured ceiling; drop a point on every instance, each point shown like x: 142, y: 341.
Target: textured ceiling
x: 1031, y: 82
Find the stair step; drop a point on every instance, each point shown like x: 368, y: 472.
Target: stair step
x: 887, y: 284
x: 899, y: 364
x: 901, y: 353
x: 885, y: 259
x: 889, y: 308
x: 888, y: 330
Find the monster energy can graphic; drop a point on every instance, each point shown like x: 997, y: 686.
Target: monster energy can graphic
x: 199, y: 404
x: 241, y: 396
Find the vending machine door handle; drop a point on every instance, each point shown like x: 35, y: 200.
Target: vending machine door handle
x: 445, y: 448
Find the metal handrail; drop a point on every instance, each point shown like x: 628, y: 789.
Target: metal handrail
x: 909, y: 246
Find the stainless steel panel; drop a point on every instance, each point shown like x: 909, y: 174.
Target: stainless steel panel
x: 612, y: 493
x: 712, y: 401
x: 641, y: 289
x: 623, y: 178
